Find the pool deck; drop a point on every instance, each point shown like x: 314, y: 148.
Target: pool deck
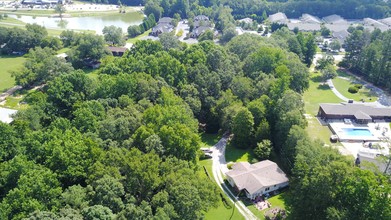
x: 379, y: 131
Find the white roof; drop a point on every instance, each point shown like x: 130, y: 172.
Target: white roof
x: 307, y: 18
x: 5, y: 115
x: 335, y: 19
x: 254, y: 177
x: 386, y: 21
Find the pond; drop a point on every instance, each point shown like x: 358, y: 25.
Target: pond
x: 94, y: 23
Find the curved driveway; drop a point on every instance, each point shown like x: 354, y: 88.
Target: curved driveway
x: 219, y: 168
x: 331, y: 85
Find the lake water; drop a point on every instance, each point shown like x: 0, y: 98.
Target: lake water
x: 94, y: 23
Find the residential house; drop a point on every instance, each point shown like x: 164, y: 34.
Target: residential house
x: 201, y: 24
x: 386, y: 21
x: 340, y: 35
x: 304, y: 26
x: 164, y: 25
x: 278, y: 18
x: 310, y: 19
x: 257, y: 179
x: 198, y: 31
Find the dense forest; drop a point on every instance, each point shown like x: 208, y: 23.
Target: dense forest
x: 125, y: 144
x: 369, y: 55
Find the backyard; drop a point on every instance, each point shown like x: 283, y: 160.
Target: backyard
x: 277, y: 201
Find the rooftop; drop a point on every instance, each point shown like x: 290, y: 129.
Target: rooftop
x: 278, y: 17
x: 353, y: 109
x: 253, y: 177
x: 307, y: 18
x: 334, y: 19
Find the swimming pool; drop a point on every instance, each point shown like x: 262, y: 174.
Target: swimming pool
x: 357, y: 132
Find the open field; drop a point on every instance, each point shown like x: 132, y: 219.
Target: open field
x: 318, y: 93
x: 233, y: 154
x: 9, y: 20
x: 8, y: 63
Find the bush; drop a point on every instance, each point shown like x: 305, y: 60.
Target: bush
x: 358, y: 86
x: 353, y: 89
x: 229, y: 165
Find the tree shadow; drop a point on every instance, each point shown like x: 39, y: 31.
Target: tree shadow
x: 317, y: 78
x: 323, y: 86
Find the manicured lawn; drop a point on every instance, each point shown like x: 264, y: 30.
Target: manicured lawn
x: 342, y: 86
x: 8, y: 63
x: 209, y: 140
x: 135, y: 39
x: 220, y: 212
x: 233, y: 154
x: 316, y: 94
x: 11, y: 20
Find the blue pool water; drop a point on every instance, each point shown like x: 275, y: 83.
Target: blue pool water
x: 357, y: 132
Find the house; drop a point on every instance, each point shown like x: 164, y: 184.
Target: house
x: 164, y: 25
x: 304, y: 26
x: 246, y: 20
x: 198, y: 31
x: 334, y: 19
x: 340, y: 35
x: 386, y: 21
x: 310, y: 19
x: 359, y: 112
x: 257, y: 179
x: 118, y: 51
x: 278, y: 18
x: 91, y: 63
x: 201, y: 18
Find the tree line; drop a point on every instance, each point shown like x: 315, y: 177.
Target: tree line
x: 369, y: 55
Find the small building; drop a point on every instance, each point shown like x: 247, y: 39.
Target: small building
x: 340, y: 35
x: 278, y: 18
x: 359, y: 112
x: 257, y: 179
x: 118, y: 51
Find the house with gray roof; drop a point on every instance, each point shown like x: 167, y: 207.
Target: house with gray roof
x: 164, y: 25
x: 334, y: 19
x: 307, y: 18
x: 304, y: 26
x: 278, y: 18
x: 340, y: 35
x: 198, y: 31
x: 361, y: 113
x: 386, y: 21
x: 257, y: 179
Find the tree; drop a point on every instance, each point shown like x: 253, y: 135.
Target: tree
x: 324, y: 61
x: 263, y: 149
x: 152, y: 7
x: 228, y: 34
x: 207, y: 35
x: 113, y: 35
x: 133, y: 31
x: 109, y: 192
x: 168, y: 41
x: 242, y: 129
x: 97, y: 212
x: 335, y: 45
x: 328, y: 72
x: 324, y: 31
x: 60, y: 9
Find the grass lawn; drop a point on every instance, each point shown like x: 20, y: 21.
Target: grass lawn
x: 220, y: 212
x: 318, y: 93
x: 342, y: 86
x: 11, y: 21
x: 135, y: 39
x: 209, y: 140
x: 233, y: 154
x: 8, y: 63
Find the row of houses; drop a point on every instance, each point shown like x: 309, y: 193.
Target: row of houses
x: 335, y: 23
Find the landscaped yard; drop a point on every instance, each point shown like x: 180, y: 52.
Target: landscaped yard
x: 342, y: 86
x: 135, y: 39
x: 8, y: 63
x: 277, y: 201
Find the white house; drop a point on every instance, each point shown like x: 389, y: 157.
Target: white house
x: 257, y: 179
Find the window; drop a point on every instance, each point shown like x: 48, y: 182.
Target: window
x: 267, y: 189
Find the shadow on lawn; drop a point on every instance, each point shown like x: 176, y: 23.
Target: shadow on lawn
x: 323, y: 87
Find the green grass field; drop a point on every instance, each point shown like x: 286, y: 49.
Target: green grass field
x: 233, y: 154
x: 365, y: 94
x: 135, y: 39
x: 208, y: 140
x: 316, y: 94
x: 8, y: 63
x: 11, y: 21
x: 277, y: 201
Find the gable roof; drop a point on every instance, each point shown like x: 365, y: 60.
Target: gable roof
x: 307, y: 18
x: 201, y: 18
x: 278, y: 17
x: 254, y: 177
x: 386, y: 21
x: 304, y: 26
x: 165, y: 20
x: 334, y: 19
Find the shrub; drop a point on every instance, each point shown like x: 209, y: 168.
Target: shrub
x: 229, y: 166
x: 358, y: 86
x: 353, y: 89
x: 180, y: 33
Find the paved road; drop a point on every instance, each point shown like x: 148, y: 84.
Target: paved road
x: 219, y: 168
